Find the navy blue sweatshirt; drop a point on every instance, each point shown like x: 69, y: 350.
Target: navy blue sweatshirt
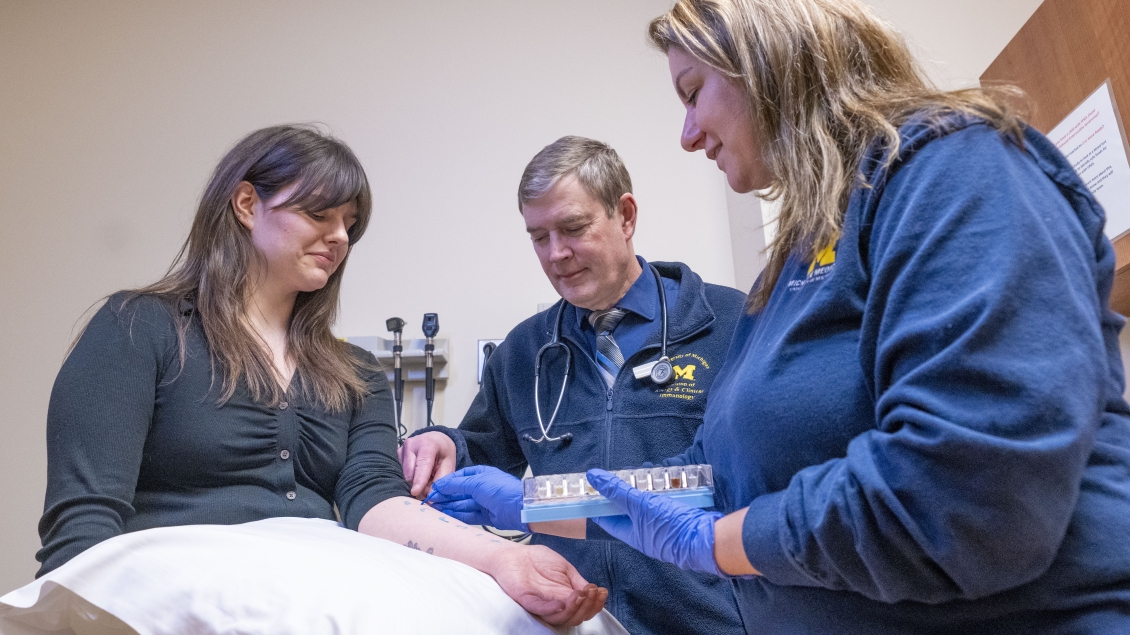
x: 927, y: 422
x: 630, y: 424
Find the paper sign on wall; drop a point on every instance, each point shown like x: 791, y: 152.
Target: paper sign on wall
x: 1093, y: 143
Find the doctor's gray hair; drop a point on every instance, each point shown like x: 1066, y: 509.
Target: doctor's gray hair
x: 596, y: 165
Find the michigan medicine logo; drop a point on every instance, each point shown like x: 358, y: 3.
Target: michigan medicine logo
x: 820, y: 268
x: 684, y: 384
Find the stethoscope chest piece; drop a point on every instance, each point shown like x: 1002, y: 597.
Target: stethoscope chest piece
x: 662, y: 371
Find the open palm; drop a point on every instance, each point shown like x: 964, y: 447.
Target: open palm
x: 545, y: 584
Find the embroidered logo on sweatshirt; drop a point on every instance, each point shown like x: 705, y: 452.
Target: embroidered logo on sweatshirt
x: 820, y: 268
x: 684, y: 385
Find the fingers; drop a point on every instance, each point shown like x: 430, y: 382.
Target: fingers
x: 602, y: 481
x: 592, y: 598
x: 424, y: 464
x: 580, y: 607
x: 612, y: 488
x: 459, y: 506
x: 545, y: 584
x: 407, y: 456
x: 452, y: 486
x: 435, y: 497
x: 592, y: 602
x: 626, y: 498
x: 567, y: 615
x: 461, y: 483
x: 558, y: 577
x: 444, y: 484
x: 599, y: 601
x: 585, y: 602
x: 547, y: 608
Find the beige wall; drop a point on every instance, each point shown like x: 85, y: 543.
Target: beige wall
x: 113, y: 113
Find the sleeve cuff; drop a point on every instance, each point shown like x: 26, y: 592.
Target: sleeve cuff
x: 761, y: 538
x: 462, y: 454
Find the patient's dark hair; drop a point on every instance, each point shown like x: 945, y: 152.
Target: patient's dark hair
x: 212, y: 271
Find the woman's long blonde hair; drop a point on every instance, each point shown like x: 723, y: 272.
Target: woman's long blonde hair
x: 213, y: 271
x: 826, y: 80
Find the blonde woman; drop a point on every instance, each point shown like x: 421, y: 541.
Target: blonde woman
x: 218, y: 395
x: 920, y: 426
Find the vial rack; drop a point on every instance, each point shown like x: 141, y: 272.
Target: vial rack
x: 566, y: 496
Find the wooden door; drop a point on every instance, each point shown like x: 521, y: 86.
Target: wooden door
x: 1066, y: 50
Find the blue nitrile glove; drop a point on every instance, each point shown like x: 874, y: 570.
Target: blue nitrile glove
x: 658, y: 525
x: 480, y: 495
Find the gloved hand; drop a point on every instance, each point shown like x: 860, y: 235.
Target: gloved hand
x: 480, y: 495
x: 658, y: 525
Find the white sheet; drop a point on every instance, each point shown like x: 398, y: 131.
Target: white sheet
x: 280, y: 576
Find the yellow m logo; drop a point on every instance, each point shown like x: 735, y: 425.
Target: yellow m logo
x: 685, y: 372
x: 826, y: 257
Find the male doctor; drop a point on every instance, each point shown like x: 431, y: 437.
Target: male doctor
x: 576, y: 199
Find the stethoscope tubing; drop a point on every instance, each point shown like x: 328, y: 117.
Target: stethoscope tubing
x: 556, y: 341
x: 560, y: 396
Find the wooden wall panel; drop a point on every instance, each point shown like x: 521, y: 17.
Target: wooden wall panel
x: 1055, y: 58
x: 1060, y: 56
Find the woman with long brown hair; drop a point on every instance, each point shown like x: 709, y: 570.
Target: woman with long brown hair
x: 920, y: 425
x: 218, y: 395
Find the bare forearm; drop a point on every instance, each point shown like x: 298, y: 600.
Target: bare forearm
x: 574, y: 528
x: 407, y: 522
x: 729, y: 552
x: 535, y: 577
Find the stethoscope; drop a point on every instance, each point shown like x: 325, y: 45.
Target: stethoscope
x: 660, y: 371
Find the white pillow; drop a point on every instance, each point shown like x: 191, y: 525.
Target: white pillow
x: 278, y: 576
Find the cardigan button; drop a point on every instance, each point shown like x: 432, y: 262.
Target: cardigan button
x: 291, y: 496
x: 284, y: 455
x: 283, y: 406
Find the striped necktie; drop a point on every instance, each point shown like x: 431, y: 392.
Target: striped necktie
x: 608, y: 355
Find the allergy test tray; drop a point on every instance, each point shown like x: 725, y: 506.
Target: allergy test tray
x: 566, y: 496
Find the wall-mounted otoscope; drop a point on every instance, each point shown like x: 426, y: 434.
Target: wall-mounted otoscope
x: 431, y: 329
x: 396, y: 327
x: 488, y: 350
